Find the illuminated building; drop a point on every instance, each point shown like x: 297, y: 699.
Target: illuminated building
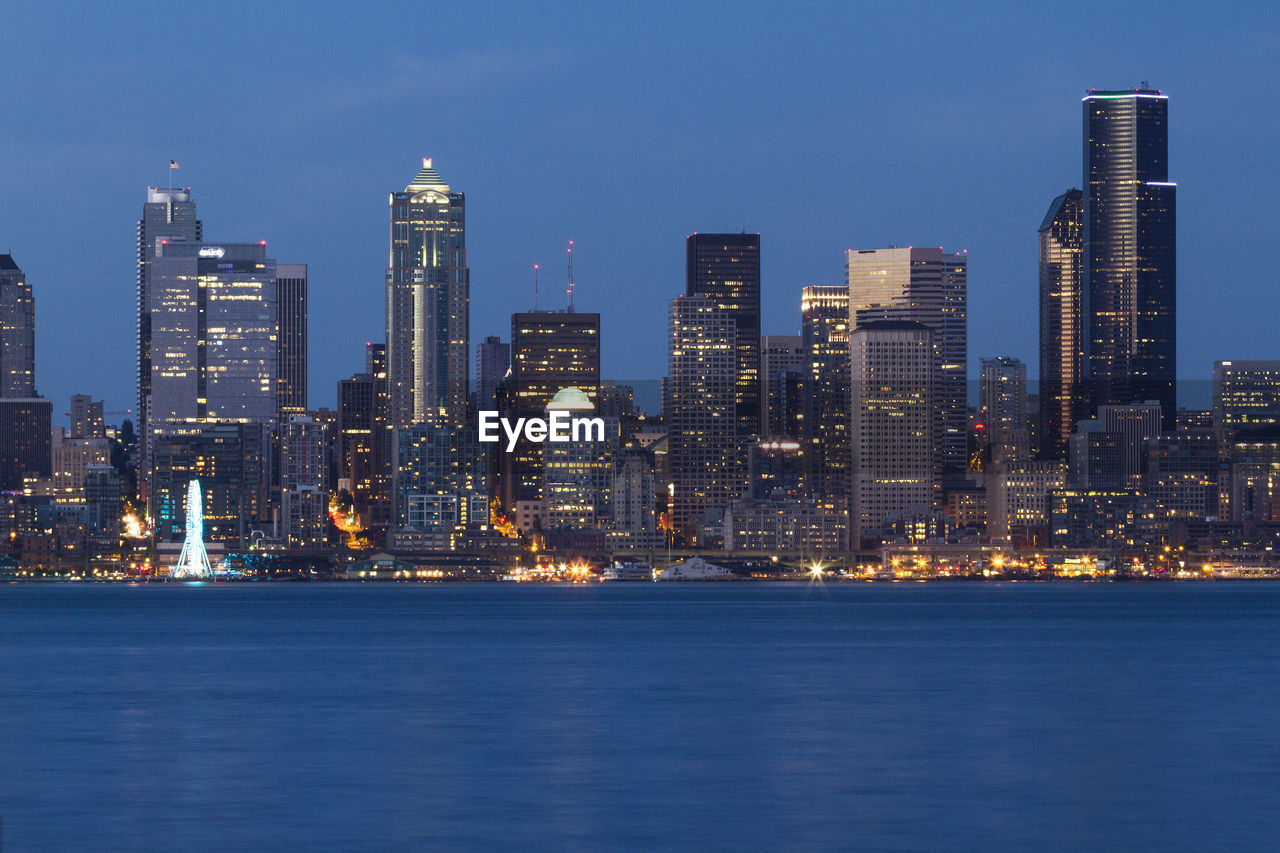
x: 1136, y: 423
x: 428, y: 304
x: 1246, y: 395
x: 550, y: 350
x: 304, y: 498
x: 929, y: 286
x: 893, y: 366
x: 1062, y: 392
x: 1003, y: 394
x: 104, y: 499
x: 364, y: 447
x: 440, y: 477
x: 70, y: 461
x: 815, y: 525
x: 1096, y: 459
x: 291, y: 342
x: 1102, y: 518
x: 1018, y: 500
x: 578, y: 475
x: 1254, y: 494
x: 725, y: 268
x: 1130, y: 277
x: 777, y: 469
x: 214, y: 328
x: 699, y: 410
x: 232, y: 462
x: 168, y: 214
x: 86, y: 417
x: 17, y: 332
x: 824, y: 427
x: 1182, y: 474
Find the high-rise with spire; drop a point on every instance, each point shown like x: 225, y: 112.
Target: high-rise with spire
x: 169, y: 214
x: 428, y: 295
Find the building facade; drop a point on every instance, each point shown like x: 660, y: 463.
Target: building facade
x: 824, y: 314
x: 1129, y: 250
x: 1003, y: 394
x: 214, y: 328
x: 550, y: 350
x: 167, y: 214
x: 929, y: 286
x: 700, y: 408
x: 291, y: 342
x: 894, y: 475
x: 428, y: 304
x: 17, y: 332
x: 1063, y: 401
x: 725, y: 268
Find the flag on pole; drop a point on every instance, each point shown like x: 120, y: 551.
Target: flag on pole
x: 173, y: 164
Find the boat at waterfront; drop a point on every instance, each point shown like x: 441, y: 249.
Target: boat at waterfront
x: 695, y: 569
x: 628, y: 571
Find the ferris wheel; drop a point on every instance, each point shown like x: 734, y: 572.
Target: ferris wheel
x: 193, y: 562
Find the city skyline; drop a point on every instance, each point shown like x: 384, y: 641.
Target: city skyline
x: 844, y: 184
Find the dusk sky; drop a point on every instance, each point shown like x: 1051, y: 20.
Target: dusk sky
x: 822, y: 126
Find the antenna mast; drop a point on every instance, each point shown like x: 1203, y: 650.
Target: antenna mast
x: 569, y: 289
x: 535, y: 287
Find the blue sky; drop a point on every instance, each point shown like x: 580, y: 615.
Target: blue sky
x: 824, y: 126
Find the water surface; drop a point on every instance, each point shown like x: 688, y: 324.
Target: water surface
x: 744, y: 716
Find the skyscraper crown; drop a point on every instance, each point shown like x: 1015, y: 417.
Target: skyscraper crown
x: 427, y: 179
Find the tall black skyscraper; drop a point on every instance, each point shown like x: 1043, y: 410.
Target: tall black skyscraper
x: 1130, y: 302
x: 1062, y: 399
x: 291, y: 343
x: 726, y: 269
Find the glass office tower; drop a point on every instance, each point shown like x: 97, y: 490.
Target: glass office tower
x: 1130, y: 304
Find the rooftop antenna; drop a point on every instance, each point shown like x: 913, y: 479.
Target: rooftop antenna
x: 569, y: 289
x: 535, y: 287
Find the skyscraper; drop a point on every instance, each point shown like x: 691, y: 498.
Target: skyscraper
x: 304, y: 499
x: 782, y: 360
x: 893, y: 366
x: 550, y: 350
x: 1062, y: 392
x: 726, y: 269
x: 214, y: 329
x: 428, y: 293
x: 86, y: 417
x: 1130, y: 299
x: 17, y: 332
x: 1246, y: 395
x: 364, y: 445
x: 706, y: 468
x: 168, y: 214
x: 291, y: 343
x: 1003, y: 394
x: 923, y: 285
x: 824, y: 315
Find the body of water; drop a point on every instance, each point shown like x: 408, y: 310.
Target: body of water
x: 732, y: 716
